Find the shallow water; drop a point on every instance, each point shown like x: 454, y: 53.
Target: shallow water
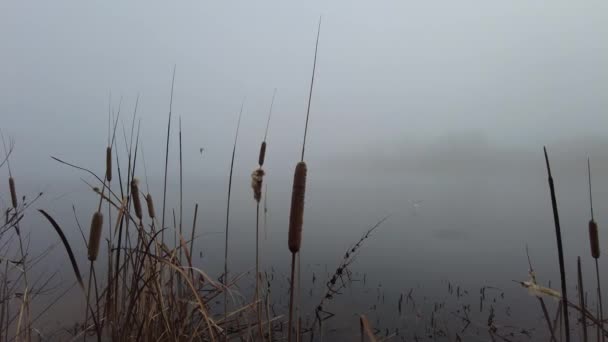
x: 450, y: 248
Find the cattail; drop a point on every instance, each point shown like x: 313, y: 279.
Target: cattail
x: 262, y: 154
x: 135, y: 196
x: 11, y: 185
x: 297, y: 207
x: 594, y: 239
x: 95, y: 235
x: 257, y: 177
x: 109, y: 164
x: 150, y: 206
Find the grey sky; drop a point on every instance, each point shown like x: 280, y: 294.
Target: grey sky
x: 515, y: 73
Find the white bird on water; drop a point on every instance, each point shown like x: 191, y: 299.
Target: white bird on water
x: 416, y: 204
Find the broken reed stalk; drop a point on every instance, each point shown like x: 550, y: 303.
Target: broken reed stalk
x: 595, y: 253
x: 581, y: 298
x: 236, y: 136
x: 296, y: 214
x: 560, y: 250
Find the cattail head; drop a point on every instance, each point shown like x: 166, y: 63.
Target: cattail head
x: 109, y: 164
x: 150, y: 206
x: 135, y: 197
x: 11, y: 185
x: 95, y: 235
x: 594, y: 239
x: 262, y: 154
x: 257, y: 177
x: 297, y: 208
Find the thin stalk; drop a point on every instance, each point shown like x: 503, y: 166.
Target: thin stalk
x: 312, y: 82
x: 236, y: 135
x: 581, y: 298
x: 599, y: 300
x: 291, y: 299
x: 162, y: 227
x: 597, y: 271
x: 181, y: 206
x: 257, y: 270
x: 192, y: 238
x: 560, y: 250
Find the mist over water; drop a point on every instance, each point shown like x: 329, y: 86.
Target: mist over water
x: 433, y: 114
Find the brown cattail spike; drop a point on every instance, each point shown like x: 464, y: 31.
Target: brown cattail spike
x: 109, y: 164
x: 262, y: 154
x: 95, y: 235
x: 594, y: 239
x: 150, y: 206
x: 257, y: 177
x: 135, y: 197
x: 11, y: 185
x: 296, y: 214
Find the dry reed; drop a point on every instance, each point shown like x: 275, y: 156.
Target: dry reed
x: 581, y: 298
x: 595, y: 253
x: 560, y: 249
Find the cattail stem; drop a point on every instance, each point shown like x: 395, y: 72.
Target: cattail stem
x: 257, y: 271
x: 581, y: 298
x: 560, y: 250
x: 291, y: 297
x: 599, y: 300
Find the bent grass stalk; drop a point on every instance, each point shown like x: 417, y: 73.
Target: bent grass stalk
x: 560, y: 249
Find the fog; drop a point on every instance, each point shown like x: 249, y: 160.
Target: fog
x: 434, y: 113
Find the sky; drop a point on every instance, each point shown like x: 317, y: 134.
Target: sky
x: 394, y: 78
